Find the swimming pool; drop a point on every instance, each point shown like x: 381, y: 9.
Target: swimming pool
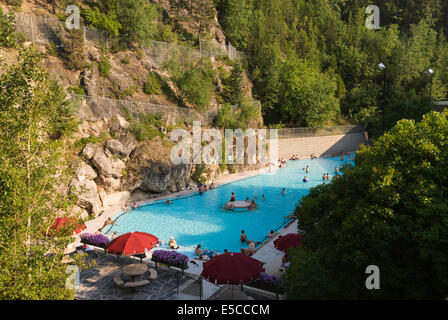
x: 199, y: 219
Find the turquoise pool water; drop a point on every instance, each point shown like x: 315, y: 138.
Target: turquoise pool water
x: 200, y: 219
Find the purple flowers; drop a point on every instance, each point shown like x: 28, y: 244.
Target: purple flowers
x: 98, y: 240
x: 172, y: 258
x: 269, y: 280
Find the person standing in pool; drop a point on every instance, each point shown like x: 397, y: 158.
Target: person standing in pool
x: 307, y: 169
x: 283, y: 191
x: 243, y: 237
x: 264, y: 198
x: 305, y: 179
x: 232, y: 198
x: 336, y: 171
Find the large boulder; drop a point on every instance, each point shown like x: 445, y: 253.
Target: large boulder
x: 116, y: 148
x: 89, y: 151
x: 150, y: 170
x: 118, y: 124
x: 107, y: 167
x: 84, y: 171
x: 87, y: 193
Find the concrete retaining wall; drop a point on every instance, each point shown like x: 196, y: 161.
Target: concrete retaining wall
x: 320, y: 146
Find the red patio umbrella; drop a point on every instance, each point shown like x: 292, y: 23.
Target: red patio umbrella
x: 232, y: 268
x: 132, y: 243
x: 291, y: 240
x: 66, y: 222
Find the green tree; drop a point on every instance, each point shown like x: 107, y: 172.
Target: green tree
x: 309, y: 95
x: 138, y: 20
x: 35, y: 122
x: 389, y: 210
x: 233, y: 90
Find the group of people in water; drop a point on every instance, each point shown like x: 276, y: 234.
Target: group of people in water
x: 281, y: 163
x: 203, y: 187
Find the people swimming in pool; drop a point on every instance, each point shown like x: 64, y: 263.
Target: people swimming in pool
x: 252, y: 205
x: 168, y: 202
x: 283, y: 191
x: 305, y: 179
x: 264, y: 198
x: 307, y: 169
x: 328, y: 177
x: 324, y: 177
x: 134, y: 205
x: 247, y: 199
x: 212, y: 186
x: 232, y: 198
x: 336, y: 171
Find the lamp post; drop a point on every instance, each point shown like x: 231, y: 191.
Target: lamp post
x: 383, y: 67
x: 430, y: 73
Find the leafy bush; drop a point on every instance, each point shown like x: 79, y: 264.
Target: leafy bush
x: 152, y: 85
x: 72, y: 50
x: 52, y: 50
x: 196, y: 84
x: 146, y: 127
x: 104, y: 65
x: 7, y: 28
x: 226, y: 118
x: 107, y: 22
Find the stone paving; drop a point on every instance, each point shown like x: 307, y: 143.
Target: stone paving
x: 97, y: 283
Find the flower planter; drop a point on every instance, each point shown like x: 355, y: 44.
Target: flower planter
x: 171, y: 259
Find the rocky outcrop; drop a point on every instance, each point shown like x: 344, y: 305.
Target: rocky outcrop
x: 106, y: 166
x: 150, y: 170
x: 88, y: 197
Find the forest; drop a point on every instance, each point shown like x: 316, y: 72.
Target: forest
x: 314, y: 62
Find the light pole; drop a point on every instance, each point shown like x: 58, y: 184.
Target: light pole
x: 430, y: 73
x: 383, y: 67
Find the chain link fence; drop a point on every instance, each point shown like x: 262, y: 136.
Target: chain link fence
x: 46, y: 30
x: 99, y: 108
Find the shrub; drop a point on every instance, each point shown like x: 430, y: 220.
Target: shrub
x: 7, y: 27
x: 196, y: 85
x: 125, y: 60
x: 107, y: 22
x: 104, y: 65
x: 146, y: 127
x: 152, y: 85
x: 52, y: 50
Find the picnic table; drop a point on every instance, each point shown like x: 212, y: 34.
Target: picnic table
x: 135, y: 270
